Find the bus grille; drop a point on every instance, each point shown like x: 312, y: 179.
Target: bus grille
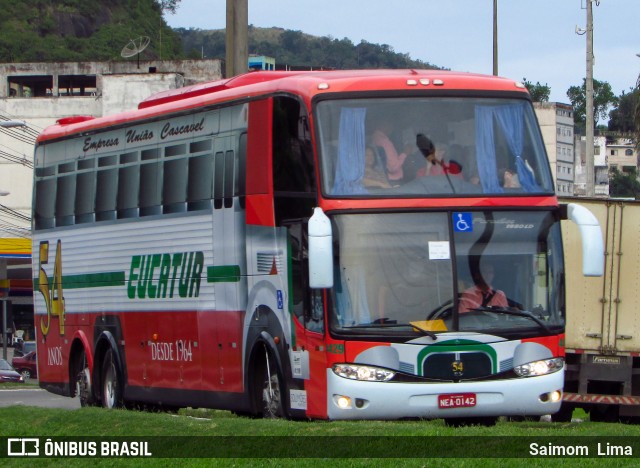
x: 452, y: 366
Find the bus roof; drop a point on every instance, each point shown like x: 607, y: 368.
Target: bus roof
x: 306, y: 84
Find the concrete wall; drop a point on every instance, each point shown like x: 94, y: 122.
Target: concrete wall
x: 193, y: 71
x: 124, y: 92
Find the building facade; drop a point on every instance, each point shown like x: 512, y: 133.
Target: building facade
x: 556, y: 123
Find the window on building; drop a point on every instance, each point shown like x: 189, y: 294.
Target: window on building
x: 30, y: 86
x: 77, y: 85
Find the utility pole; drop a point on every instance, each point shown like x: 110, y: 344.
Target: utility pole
x: 237, y: 37
x: 495, y: 37
x: 589, y: 124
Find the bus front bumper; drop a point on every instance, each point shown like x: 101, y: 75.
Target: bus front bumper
x: 531, y: 396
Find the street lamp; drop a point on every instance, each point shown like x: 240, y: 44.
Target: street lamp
x: 12, y: 123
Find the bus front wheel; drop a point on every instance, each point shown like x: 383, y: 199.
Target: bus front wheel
x: 269, y: 392
x: 111, y: 385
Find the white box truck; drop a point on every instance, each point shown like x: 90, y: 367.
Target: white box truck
x: 603, y: 317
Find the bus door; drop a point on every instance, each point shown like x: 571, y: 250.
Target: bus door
x: 308, y: 343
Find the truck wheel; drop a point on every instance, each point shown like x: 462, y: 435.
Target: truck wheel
x: 604, y: 413
x: 111, y: 384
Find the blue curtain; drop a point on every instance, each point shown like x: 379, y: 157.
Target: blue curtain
x: 486, y: 150
x: 351, y: 147
x: 511, y: 120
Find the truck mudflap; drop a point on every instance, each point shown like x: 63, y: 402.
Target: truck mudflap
x: 601, y: 399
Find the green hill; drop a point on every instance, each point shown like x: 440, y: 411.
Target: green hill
x: 97, y: 30
x: 82, y: 30
x: 295, y: 48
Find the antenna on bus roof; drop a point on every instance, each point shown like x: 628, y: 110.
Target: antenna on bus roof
x: 134, y: 47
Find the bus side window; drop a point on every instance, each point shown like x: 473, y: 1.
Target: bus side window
x: 45, y: 197
x: 128, y: 185
x: 200, y: 184
x: 240, y: 189
x: 65, y: 194
x: 107, y: 188
x: 174, y: 187
x: 228, y: 179
x: 218, y: 183
x: 85, y: 191
x: 150, y: 201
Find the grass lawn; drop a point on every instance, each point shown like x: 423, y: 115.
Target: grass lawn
x: 193, y: 435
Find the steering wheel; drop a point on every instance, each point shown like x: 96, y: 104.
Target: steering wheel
x: 441, y: 312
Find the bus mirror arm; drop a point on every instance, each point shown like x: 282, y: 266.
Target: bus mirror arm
x: 320, y: 250
x: 592, y: 242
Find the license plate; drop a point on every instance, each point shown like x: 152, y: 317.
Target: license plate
x: 458, y: 400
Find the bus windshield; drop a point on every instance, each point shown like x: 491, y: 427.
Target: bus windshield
x: 497, y: 272
x: 430, y: 146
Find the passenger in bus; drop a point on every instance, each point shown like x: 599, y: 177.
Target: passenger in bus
x: 509, y: 178
x: 381, y: 138
x: 435, y: 162
x: 464, y: 154
x: 374, y: 176
x: 482, y: 294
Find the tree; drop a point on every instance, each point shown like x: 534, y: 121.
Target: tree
x: 624, y: 184
x: 603, y: 97
x: 621, y: 118
x: 539, y: 92
x: 169, y: 5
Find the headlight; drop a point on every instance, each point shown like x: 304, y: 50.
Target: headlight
x: 358, y: 372
x: 546, y: 366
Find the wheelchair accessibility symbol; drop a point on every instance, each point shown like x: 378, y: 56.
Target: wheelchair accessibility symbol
x: 462, y: 222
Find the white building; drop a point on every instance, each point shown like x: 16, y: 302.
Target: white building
x: 556, y: 123
x: 622, y: 155
x: 600, y: 163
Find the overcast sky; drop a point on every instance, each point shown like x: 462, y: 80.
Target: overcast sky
x: 537, y: 38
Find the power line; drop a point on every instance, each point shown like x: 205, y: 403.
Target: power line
x: 16, y: 214
x: 16, y: 159
x: 15, y: 230
x: 19, y: 135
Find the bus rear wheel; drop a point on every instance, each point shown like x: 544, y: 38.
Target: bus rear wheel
x: 111, y: 384
x: 84, y: 388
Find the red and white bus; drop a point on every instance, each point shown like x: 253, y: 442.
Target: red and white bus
x: 285, y: 244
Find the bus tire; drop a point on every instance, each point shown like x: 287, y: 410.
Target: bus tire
x: 564, y: 414
x: 84, y: 388
x: 269, y: 387
x: 111, y: 382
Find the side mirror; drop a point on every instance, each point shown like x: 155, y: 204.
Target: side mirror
x: 592, y: 242
x: 320, y: 250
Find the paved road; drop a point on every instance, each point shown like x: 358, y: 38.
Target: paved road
x: 32, y: 396
x: 35, y: 397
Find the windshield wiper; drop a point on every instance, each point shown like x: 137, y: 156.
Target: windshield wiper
x: 428, y: 333
x: 516, y: 313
